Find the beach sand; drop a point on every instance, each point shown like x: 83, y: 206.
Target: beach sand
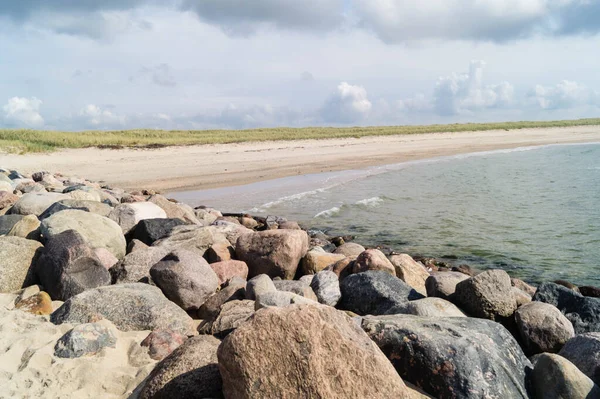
x: 211, y: 166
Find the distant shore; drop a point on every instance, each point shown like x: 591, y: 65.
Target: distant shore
x: 182, y: 168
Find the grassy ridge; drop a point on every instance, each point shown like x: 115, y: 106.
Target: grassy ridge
x: 24, y: 140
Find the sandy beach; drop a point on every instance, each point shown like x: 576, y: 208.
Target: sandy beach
x: 212, y: 166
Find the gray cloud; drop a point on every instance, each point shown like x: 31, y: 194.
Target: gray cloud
x: 160, y: 75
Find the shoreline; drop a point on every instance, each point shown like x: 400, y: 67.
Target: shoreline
x: 191, y: 168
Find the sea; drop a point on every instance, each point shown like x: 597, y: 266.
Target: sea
x: 532, y: 211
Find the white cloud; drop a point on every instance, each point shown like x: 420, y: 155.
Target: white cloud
x: 23, y: 112
x: 93, y: 116
x: 348, y: 104
x: 566, y: 94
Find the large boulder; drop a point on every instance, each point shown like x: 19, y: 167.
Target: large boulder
x: 584, y: 352
x: 583, y: 312
x: 554, y: 377
x: 150, y: 230
x: 69, y: 266
x: 232, y: 315
x: 229, y: 269
x: 175, y: 210
x: 452, y: 357
x: 7, y: 222
x: 281, y: 299
x: 28, y: 227
x: 36, y: 203
x: 210, y: 309
x: 411, y: 272
x: 433, y: 307
x: 373, y: 260
x: 288, y: 353
x: 317, y: 259
x: 487, y: 295
x: 98, y: 231
x: 543, y: 328
x: 350, y: 250
x: 129, y: 215
x: 191, y: 238
x: 375, y: 292
x: 258, y: 285
x: 297, y: 287
x: 18, y: 257
x: 190, y: 371
x: 276, y: 253
x: 326, y: 287
x: 89, y: 206
x: 185, y: 278
x: 130, y: 307
x: 135, y: 266
x: 443, y: 284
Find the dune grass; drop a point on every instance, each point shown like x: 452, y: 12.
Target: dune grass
x: 25, y: 140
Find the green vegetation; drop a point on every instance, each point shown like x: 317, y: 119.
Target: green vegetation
x: 22, y: 140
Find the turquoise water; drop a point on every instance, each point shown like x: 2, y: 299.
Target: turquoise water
x: 534, y: 212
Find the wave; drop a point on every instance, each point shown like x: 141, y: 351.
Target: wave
x: 285, y: 199
x: 329, y: 212
x: 370, y: 202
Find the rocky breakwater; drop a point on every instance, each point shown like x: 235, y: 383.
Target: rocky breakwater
x: 107, y: 293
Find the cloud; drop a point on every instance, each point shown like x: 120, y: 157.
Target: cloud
x: 95, y: 117
x: 348, y: 104
x: 564, y: 95
x: 307, y: 76
x: 160, y: 75
x: 23, y: 112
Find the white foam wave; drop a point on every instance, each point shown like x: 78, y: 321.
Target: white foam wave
x: 328, y: 213
x: 285, y: 199
x: 370, y: 202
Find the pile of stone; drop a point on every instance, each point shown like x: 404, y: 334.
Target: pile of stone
x: 248, y: 307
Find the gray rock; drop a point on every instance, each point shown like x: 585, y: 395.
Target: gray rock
x: 135, y: 266
x: 375, y: 292
x: 18, y: 257
x: 150, y: 230
x: 129, y: 215
x: 487, y: 295
x: 191, y: 371
x: 280, y: 299
x: 70, y: 266
x: 7, y: 222
x: 98, y: 231
x: 554, y: 377
x: 582, y: 312
x: 258, y: 285
x: 175, y: 210
x: 82, y: 205
x: 443, y: 284
x: 191, y: 238
x: 36, y: 203
x: 452, y: 357
x: 521, y: 297
x: 232, y: 315
x: 130, y: 307
x: 84, y: 340
x: 185, y: 278
x: 326, y: 286
x: 543, y: 328
x: 297, y: 287
x: 584, y: 352
x: 307, y: 279
x: 210, y: 309
x: 433, y: 307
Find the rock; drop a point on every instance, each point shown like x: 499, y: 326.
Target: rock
x: 411, y: 272
x: 27, y: 292
x: 7, y: 199
x: 254, y: 359
x: 350, y: 250
x: 289, y: 225
x: 150, y: 230
x: 185, y: 278
x: 207, y: 216
x: 452, y: 357
x: 37, y: 304
x: 232, y: 315
x: 543, y: 328
x: 523, y: 286
x: 192, y: 238
x: 554, y: 377
x: 258, y: 285
x: 85, y: 195
x: 280, y: 299
x: 375, y: 292
x: 98, y: 231
x: 229, y: 269
x: 273, y: 252
x: 307, y: 279
x: 590, y: 291
x: 7, y: 222
x: 466, y: 269
x: 584, y: 352
x: 161, y: 343
x: 28, y: 227
x: 249, y: 223
x: 521, y: 297
x: 297, y: 287
x: 136, y: 265
x: 129, y: 215
x: 36, y: 203
x: 567, y: 284
x: 443, y: 284
x: 130, y: 307
x: 375, y: 260
x: 433, y: 307
x: 175, y: 210
x: 69, y: 266
x: 89, y: 206
x: 231, y: 231
x: 84, y: 340
x: 235, y: 289
x: 487, y: 295
x: 191, y: 371
x: 18, y: 257
x: 219, y: 252
x: 6, y: 187
x: 326, y: 287
x: 28, y: 187
x: 317, y: 259
x: 107, y: 259
x: 582, y: 312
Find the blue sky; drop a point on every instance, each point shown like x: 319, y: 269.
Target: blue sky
x: 194, y: 64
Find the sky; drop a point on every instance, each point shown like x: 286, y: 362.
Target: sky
x: 234, y: 64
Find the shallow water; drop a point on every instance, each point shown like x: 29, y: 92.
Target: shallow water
x: 534, y: 212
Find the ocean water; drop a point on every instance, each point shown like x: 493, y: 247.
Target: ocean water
x: 534, y: 212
